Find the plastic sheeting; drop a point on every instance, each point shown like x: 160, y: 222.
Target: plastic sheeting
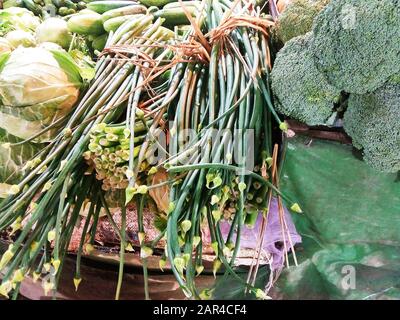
x: 272, y: 250
x: 350, y: 227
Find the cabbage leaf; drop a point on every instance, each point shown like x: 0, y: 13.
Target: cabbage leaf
x: 13, y: 159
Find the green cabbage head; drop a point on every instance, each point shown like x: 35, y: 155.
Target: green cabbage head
x: 37, y: 88
x: 15, y: 18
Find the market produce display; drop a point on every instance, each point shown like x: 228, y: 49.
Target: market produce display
x: 182, y: 113
x: 146, y: 76
x: 48, y: 7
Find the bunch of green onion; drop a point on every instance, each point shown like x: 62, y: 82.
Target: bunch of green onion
x: 57, y: 186
x: 231, y: 92
x: 222, y: 85
x: 109, y: 153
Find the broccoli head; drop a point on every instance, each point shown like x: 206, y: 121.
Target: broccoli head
x: 355, y: 43
x: 301, y: 91
x: 297, y: 19
x: 373, y: 122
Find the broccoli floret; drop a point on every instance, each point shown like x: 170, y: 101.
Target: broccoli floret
x: 373, y: 122
x: 297, y: 19
x: 356, y: 45
x: 395, y: 79
x: 302, y: 92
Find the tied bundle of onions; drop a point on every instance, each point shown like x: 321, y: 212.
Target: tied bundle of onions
x: 213, y: 75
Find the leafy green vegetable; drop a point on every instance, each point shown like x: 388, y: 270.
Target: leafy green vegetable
x: 84, y: 63
x: 69, y: 66
x: 13, y: 159
x: 54, y: 30
x: 5, y: 45
x: 17, y: 19
x: 20, y: 38
x: 37, y: 87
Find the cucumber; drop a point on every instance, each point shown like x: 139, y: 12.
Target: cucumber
x: 176, y: 16
x: 86, y: 24
x: 124, y: 11
x: 99, y: 42
x: 70, y: 5
x: 114, y: 23
x: 31, y: 6
x: 104, y: 6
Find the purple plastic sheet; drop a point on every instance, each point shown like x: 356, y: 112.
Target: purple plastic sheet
x: 273, y: 9
x: 273, y: 236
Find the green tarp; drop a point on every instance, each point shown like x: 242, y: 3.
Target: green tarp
x: 350, y: 226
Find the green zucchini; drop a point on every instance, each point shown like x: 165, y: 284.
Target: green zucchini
x: 70, y: 5
x: 114, y: 23
x: 31, y: 6
x: 175, y: 16
x: 86, y: 24
x: 104, y: 6
x: 124, y: 11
